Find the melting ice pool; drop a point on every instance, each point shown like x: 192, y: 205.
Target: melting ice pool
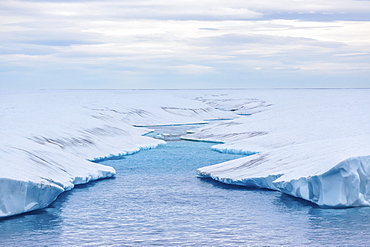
x: 156, y: 199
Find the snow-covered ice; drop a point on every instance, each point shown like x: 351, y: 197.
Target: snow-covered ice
x: 312, y: 144
x: 47, y: 137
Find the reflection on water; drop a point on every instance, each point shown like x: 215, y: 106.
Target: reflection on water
x: 220, y: 185
x: 27, y: 228
x: 156, y: 199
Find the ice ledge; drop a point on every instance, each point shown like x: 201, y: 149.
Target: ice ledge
x: 347, y: 184
x: 29, y: 196
x: 247, y: 171
x: 232, y: 150
x: 45, y: 176
x: 125, y: 153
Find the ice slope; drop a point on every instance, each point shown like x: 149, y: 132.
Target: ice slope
x: 47, y: 137
x: 311, y: 144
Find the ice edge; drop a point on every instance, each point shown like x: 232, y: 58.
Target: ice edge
x: 344, y: 185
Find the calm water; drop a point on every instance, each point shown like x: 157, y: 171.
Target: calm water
x: 156, y: 199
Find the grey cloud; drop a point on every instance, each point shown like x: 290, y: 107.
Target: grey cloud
x: 50, y: 36
x: 58, y: 42
x: 115, y: 10
x: 241, y: 39
x: 320, y: 16
x: 189, y: 10
x: 32, y: 50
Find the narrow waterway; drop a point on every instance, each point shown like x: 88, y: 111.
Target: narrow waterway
x: 157, y: 199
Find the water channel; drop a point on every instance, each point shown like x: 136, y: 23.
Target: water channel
x: 157, y: 199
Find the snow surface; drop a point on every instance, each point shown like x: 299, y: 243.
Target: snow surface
x: 312, y: 144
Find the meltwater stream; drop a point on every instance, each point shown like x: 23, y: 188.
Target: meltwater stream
x: 156, y: 199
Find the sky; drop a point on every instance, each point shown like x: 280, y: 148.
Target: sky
x: 162, y: 44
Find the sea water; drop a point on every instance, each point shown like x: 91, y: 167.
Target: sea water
x: 157, y: 199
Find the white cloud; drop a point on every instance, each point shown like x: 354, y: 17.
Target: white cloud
x: 160, y: 38
x: 194, y: 69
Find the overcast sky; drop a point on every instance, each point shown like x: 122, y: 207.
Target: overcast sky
x: 184, y: 44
